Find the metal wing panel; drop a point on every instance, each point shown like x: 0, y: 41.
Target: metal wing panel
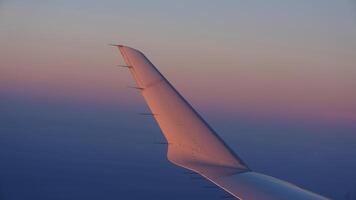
x: 256, y: 186
x: 192, y: 143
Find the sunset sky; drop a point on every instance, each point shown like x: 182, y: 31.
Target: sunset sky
x: 268, y: 70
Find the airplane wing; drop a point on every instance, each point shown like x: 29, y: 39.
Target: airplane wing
x: 194, y: 145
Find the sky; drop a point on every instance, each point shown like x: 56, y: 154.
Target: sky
x: 275, y: 79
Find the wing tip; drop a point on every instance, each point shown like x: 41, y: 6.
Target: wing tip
x: 116, y: 45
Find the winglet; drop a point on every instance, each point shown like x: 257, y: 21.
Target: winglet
x: 196, y: 145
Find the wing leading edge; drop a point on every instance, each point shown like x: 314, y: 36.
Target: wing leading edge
x: 194, y: 145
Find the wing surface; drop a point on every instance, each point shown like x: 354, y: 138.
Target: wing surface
x: 194, y: 145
